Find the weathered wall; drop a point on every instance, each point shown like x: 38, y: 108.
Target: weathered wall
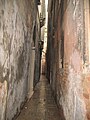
x: 86, y: 66
x: 66, y: 57
x: 17, y: 21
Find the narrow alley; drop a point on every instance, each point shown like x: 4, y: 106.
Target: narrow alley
x: 44, y: 59
x: 42, y: 105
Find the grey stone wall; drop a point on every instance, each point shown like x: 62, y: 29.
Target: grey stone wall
x: 17, y: 21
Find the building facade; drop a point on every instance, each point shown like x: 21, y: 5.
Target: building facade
x: 19, y: 54
x: 68, y: 56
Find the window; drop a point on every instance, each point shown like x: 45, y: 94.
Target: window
x: 61, y: 51
x: 34, y: 36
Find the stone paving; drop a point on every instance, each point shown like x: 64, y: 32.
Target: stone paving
x: 42, y: 105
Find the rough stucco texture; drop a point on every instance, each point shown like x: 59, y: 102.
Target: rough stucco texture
x: 74, y: 106
x: 16, y: 24
x: 67, y: 81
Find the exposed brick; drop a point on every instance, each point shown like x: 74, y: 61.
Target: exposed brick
x: 68, y: 19
x: 86, y: 95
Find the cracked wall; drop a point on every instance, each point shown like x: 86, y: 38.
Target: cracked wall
x: 67, y: 57
x: 17, y: 21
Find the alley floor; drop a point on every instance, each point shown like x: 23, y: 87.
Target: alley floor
x: 42, y: 105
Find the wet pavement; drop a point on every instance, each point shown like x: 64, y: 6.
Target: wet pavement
x: 42, y: 105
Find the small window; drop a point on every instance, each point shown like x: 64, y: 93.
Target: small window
x: 61, y: 51
x: 34, y: 36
